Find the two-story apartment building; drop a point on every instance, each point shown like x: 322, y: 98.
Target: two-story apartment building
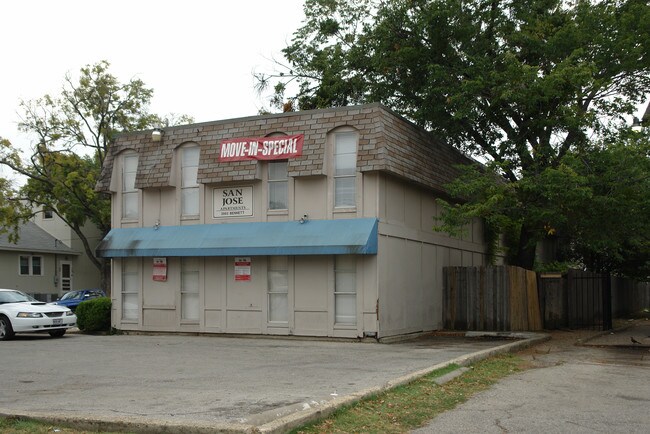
x: 314, y: 223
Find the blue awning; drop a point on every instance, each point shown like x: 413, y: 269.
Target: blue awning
x: 314, y: 237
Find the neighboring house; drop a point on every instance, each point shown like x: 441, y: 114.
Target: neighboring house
x: 48, y: 260
x: 313, y: 223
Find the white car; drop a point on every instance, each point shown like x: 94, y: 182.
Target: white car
x: 21, y: 313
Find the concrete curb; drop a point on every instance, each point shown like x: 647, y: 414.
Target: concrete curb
x: 131, y: 424
x: 293, y: 419
x: 585, y: 342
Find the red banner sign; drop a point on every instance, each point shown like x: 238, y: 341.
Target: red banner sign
x: 261, y: 148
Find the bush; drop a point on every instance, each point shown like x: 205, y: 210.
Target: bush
x: 94, y: 315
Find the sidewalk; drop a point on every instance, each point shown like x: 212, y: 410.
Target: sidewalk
x: 585, y: 382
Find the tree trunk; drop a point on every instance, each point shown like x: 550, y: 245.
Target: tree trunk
x: 105, y: 276
x: 526, y: 248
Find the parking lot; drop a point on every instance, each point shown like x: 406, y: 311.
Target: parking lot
x: 208, y: 383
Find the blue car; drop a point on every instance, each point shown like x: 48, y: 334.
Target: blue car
x: 72, y: 299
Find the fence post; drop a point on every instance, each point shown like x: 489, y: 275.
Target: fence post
x: 607, y: 301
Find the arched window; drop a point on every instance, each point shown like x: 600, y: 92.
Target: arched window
x: 189, y: 156
x: 345, y: 169
x: 278, y: 185
x: 130, y: 203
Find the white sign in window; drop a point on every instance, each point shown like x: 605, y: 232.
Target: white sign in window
x: 233, y: 202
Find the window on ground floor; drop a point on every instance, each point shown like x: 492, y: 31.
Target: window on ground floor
x: 130, y: 289
x: 278, y: 289
x: 190, y: 289
x: 30, y: 265
x: 345, y: 290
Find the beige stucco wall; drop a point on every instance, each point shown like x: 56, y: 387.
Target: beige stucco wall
x: 229, y: 306
x: 403, y: 282
x: 412, y: 255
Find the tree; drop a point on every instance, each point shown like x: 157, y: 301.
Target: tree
x: 518, y: 84
x: 611, y: 232
x: 73, y: 132
x: 592, y: 206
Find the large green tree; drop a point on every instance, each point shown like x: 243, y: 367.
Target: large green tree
x: 519, y: 84
x: 72, y: 133
x: 592, y: 206
x: 611, y: 231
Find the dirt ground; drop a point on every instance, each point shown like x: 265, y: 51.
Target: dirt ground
x: 615, y: 346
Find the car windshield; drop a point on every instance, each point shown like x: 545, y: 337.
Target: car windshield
x: 15, y: 297
x: 71, y: 295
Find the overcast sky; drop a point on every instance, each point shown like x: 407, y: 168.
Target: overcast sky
x: 198, y: 56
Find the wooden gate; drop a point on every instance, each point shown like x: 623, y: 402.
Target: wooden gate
x: 576, y: 300
x: 589, y: 300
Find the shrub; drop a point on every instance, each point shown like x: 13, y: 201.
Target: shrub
x: 94, y: 315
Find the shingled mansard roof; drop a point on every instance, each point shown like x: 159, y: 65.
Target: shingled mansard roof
x: 387, y: 142
x: 33, y: 239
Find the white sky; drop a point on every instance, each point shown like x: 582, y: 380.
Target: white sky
x: 198, y: 56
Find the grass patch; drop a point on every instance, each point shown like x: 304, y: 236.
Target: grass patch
x: 412, y: 405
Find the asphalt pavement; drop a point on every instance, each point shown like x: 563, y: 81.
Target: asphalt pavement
x: 184, y: 383
x: 581, y: 382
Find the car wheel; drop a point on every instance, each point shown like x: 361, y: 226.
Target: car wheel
x: 57, y: 333
x: 6, y: 331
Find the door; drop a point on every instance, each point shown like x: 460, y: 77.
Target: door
x: 65, y: 280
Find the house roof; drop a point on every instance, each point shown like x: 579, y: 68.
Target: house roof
x: 387, y: 143
x: 312, y: 237
x: 32, y: 238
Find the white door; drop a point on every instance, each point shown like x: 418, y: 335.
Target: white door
x: 65, y: 280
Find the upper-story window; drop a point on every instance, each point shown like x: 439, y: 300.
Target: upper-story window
x: 345, y: 169
x: 278, y: 185
x: 129, y: 192
x: 189, y: 181
x: 48, y: 214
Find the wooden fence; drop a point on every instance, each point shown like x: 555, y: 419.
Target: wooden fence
x: 491, y: 299
x: 629, y: 297
x: 580, y: 299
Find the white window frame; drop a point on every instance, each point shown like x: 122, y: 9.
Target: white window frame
x: 190, y: 267
x: 339, y: 136
x: 276, y: 182
x: 129, y: 192
x: 189, y: 184
x: 350, y: 269
x: 130, y: 268
x: 277, y: 265
x: 48, y: 213
x: 30, y: 265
